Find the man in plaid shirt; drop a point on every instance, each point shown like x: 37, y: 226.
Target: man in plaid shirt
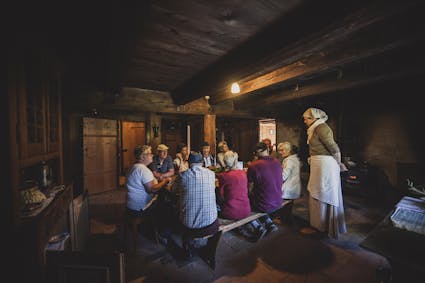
x: 198, y: 210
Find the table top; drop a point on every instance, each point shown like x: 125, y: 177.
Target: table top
x: 397, y: 245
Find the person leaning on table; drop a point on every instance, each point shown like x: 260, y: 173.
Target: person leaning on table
x: 162, y: 164
x: 142, y: 186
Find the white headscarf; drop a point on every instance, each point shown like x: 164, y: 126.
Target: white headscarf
x: 320, y: 116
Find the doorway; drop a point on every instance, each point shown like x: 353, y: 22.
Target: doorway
x: 268, y: 130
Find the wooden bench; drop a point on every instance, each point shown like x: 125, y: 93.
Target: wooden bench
x: 209, y: 251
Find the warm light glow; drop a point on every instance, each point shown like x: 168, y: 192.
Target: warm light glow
x: 235, y: 88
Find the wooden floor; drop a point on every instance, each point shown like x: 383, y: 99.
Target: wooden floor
x: 284, y: 256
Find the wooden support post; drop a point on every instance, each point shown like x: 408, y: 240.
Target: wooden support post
x: 209, y: 131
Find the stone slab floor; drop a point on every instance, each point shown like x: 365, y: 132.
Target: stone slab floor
x: 284, y: 256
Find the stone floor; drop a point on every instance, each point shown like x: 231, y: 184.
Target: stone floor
x: 284, y: 256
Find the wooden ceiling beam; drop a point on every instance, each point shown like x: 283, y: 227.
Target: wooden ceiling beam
x: 355, y: 40
x: 321, y: 63
x: 392, y: 65
x: 276, y: 35
x: 265, y: 62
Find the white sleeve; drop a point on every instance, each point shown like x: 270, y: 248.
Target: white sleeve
x: 287, y: 169
x: 147, y: 175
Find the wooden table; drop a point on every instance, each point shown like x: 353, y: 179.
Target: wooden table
x: 404, y: 250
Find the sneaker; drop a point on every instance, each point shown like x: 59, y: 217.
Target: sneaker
x: 271, y: 228
x: 261, y: 232
x: 162, y: 240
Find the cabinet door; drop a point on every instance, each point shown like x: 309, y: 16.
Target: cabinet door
x: 53, y: 114
x: 32, y: 105
x: 40, y: 113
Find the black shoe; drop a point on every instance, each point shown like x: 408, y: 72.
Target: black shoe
x: 271, y: 228
x: 188, y: 253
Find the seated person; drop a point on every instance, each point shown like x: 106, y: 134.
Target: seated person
x: 265, y: 188
x: 222, y: 149
x: 141, y: 186
x: 180, y: 162
x: 208, y: 158
x: 233, y: 190
x: 268, y: 142
x: 291, y: 187
x: 198, y: 211
x: 162, y: 165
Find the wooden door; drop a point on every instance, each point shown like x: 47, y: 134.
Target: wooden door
x: 100, y: 155
x: 133, y: 134
x: 173, y: 132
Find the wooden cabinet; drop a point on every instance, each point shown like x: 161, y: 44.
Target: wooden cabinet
x: 35, y: 135
x: 35, y: 232
x: 39, y: 110
x: 34, y: 101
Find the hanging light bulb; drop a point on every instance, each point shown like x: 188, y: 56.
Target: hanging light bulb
x: 235, y: 88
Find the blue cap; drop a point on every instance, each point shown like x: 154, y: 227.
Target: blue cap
x: 195, y: 157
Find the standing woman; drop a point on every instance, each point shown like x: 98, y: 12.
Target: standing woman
x: 324, y: 185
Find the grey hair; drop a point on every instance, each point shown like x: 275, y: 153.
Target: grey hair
x: 285, y: 146
x: 229, y: 159
x: 315, y: 113
x: 141, y: 150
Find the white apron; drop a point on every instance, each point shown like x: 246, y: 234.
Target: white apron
x: 325, y: 182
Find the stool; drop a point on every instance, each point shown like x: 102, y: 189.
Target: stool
x: 132, y: 223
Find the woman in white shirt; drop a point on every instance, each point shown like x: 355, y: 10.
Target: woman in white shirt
x: 180, y: 162
x: 291, y: 172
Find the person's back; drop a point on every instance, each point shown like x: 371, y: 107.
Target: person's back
x: 233, y: 190
x: 198, y: 209
x: 265, y: 185
x: 265, y: 174
x: 197, y: 197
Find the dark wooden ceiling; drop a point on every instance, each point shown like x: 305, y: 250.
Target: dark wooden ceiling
x: 163, y: 54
